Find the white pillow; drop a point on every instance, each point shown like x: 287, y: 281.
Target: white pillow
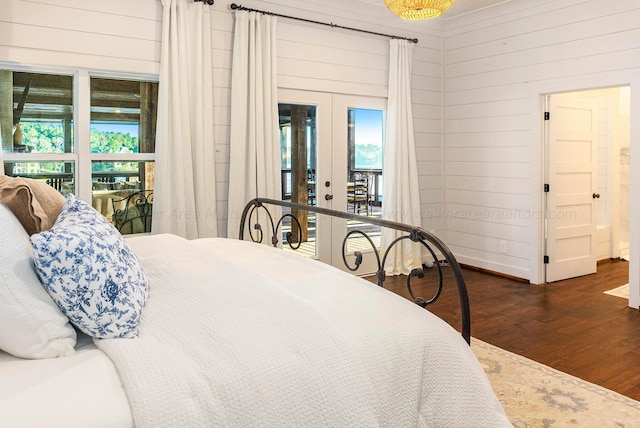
x: 90, y: 272
x: 31, y: 325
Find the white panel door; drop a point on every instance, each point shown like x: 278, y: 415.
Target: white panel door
x: 571, y: 214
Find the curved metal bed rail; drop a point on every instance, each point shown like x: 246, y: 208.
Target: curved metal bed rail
x: 132, y: 213
x: 413, y: 233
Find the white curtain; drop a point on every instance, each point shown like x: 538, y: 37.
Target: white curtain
x: 254, y: 164
x: 401, y: 196
x: 185, y: 181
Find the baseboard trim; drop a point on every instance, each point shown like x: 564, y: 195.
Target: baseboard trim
x: 492, y: 272
x: 520, y: 279
x: 493, y: 267
x: 611, y: 260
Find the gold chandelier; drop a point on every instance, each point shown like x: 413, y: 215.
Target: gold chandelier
x: 418, y: 9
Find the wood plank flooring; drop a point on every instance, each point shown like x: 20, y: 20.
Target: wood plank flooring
x: 569, y: 325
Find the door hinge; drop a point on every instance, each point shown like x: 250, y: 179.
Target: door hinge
x: 546, y: 188
x: 546, y: 260
x: 546, y: 115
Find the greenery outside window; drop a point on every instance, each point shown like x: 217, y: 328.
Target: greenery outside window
x: 89, y: 135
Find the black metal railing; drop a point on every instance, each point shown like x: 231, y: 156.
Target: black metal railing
x: 63, y: 181
x: 415, y: 234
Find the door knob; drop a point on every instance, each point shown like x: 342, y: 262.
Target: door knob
x: 596, y: 195
x: 328, y: 197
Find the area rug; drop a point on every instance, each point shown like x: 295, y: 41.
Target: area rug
x: 535, y: 395
x: 622, y: 291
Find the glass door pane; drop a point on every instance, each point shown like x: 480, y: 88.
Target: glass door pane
x: 298, y: 148
x: 364, y: 173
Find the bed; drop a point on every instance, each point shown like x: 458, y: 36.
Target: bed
x: 156, y: 330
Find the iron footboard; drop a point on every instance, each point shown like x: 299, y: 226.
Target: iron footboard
x: 416, y: 234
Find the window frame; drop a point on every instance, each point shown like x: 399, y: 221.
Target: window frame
x: 81, y: 155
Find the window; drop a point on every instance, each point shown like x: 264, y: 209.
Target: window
x: 101, y: 147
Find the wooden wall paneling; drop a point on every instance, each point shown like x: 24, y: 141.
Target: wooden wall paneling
x: 487, y: 139
x: 493, y: 58
x: 83, y: 20
x: 138, y: 8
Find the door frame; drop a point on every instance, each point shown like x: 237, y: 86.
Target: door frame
x: 537, y: 92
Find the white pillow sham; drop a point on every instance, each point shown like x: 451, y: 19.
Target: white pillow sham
x: 31, y: 325
x: 90, y: 272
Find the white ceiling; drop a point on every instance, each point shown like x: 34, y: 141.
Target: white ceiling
x: 461, y: 7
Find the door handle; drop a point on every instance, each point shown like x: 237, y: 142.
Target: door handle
x: 596, y: 195
x: 328, y: 197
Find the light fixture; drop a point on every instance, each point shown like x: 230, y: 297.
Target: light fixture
x: 418, y: 9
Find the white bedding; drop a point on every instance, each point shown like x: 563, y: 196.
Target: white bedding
x: 82, y: 390
x: 239, y: 334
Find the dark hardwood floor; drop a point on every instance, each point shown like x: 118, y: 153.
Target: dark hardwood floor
x: 569, y: 325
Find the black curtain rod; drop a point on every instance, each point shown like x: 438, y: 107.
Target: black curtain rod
x: 209, y: 2
x: 239, y: 7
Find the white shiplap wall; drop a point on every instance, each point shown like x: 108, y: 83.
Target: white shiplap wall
x: 117, y: 36
x: 493, y: 65
x: 497, y: 62
x: 123, y: 36
x: 325, y: 59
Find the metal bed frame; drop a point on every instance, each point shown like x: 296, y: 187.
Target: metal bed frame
x: 249, y: 222
x: 132, y: 214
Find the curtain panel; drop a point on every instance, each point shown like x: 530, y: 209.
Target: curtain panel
x: 254, y: 159
x: 400, y: 186
x: 184, y: 188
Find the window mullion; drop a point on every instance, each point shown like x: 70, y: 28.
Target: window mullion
x: 82, y: 107
x: 123, y: 157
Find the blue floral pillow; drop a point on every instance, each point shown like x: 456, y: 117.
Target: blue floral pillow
x: 90, y: 272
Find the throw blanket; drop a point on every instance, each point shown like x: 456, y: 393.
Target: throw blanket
x: 240, y: 334
x: 35, y: 204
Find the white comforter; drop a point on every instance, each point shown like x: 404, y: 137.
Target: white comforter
x: 237, y: 334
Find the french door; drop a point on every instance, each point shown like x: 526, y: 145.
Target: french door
x: 331, y: 157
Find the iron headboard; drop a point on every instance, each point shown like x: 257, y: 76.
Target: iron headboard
x: 413, y: 233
